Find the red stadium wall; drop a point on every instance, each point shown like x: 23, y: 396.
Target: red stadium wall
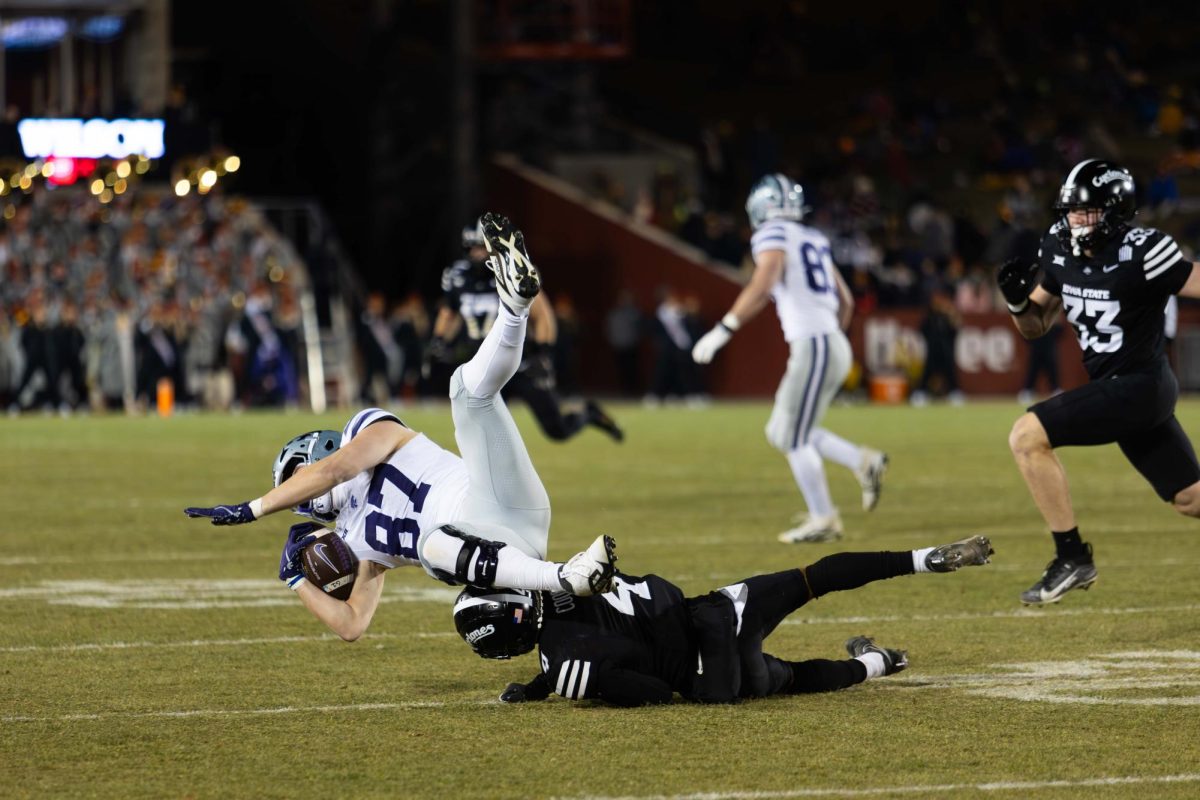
x: 590, y: 253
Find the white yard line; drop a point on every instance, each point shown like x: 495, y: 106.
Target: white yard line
x: 237, y: 712
x: 88, y: 647
x: 877, y: 791
x: 1017, y: 613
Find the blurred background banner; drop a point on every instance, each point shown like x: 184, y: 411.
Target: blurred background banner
x: 263, y: 212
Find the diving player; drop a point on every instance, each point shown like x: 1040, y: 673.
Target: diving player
x: 400, y: 500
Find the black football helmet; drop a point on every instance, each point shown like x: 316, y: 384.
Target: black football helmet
x: 498, y: 623
x: 1102, y: 185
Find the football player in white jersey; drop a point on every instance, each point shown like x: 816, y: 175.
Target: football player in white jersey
x: 400, y: 500
x: 793, y: 267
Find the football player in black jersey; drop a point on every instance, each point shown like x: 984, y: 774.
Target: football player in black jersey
x: 468, y: 310
x: 644, y: 641
x: 1112, y: 280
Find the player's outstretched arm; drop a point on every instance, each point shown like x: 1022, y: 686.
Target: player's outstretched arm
x: 374, y: 445
x: 1191, y: 288
x: 350, y: 618
x: 1039, y: 315
x: 845, y: 300
x: 768, y: 267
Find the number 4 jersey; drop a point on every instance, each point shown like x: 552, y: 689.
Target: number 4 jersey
x: 629, y: 646
x: 382, y: 511
x: 1115, y: 298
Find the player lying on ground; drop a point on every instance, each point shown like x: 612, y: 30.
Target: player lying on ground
x: 398, y: 499
x: 793, y: 268
x: 1114, y: 281
x: 645, y: 641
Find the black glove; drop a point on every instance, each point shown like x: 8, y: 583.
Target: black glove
x: 1016, y: 279
x: 539, y: 366
x: 438, y: 350
x: 536, y: 689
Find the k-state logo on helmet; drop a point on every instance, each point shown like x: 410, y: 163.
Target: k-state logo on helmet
x: 1109, y: 177
x: 477, y: 634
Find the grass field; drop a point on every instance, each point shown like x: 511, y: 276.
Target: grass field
x: 147, y: 655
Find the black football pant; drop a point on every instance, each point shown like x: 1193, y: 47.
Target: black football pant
x: 771, y: 598
x: 545, y: 407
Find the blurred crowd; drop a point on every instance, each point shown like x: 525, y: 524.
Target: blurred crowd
x: 925, y: 173
x: 102, y: 303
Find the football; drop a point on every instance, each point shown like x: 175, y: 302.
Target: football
x: 330, y: 565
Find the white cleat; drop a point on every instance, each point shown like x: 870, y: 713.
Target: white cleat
x: 517, y: 279
x: 590, y: 572
x: 814, y: 529
x: 870, y: 477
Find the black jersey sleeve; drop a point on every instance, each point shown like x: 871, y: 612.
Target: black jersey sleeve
x: 604, y: 668
x: 1163, y: 265
x: 452, y: 285
x: 1046, y: 260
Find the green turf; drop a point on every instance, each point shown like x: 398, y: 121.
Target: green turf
x: 224, y: 686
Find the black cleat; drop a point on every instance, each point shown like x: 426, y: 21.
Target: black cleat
x: 596, y: 416
x: 970, y: 552
x: 517, y: 279
x: 893, y: 660
x: 1061, y: 576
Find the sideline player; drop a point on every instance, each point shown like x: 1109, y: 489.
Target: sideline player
x: 469, y: 309
x: 401, y: 500
x: 1113, y: 281
x: 645, y: 641
x: 793, y: 267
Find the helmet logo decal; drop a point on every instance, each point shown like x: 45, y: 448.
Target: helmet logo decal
x: 1109, y: 177
x: 474, y: 636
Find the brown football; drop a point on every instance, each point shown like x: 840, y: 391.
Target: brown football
x: 330, y: 565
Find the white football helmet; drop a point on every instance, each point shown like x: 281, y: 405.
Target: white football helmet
x: 775, y: 196
x: 305, y: 449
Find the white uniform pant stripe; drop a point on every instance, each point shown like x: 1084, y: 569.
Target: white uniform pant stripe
x: 571, y: 680
x: 812, y: 390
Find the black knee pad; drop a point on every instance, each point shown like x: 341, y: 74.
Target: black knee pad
x: 477, y: 560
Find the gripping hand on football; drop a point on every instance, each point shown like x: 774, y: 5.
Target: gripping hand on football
x: 290, y: 571
x: 707, y: 345
x: 238, y: 514
x: 1016, y: 280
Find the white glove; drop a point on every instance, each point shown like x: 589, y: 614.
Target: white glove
x: 714, y: 340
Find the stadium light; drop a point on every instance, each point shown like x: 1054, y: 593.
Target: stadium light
x: 208, y: 179
x: 232, y: 164
x: 182, y: 187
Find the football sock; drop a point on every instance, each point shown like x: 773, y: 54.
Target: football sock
x: 1069, y: 544
x: 874, y: 664
x: 842, y: 571
x: 836, y: 449
x: 919, y: 556
x: 498, y: 356
x: 809, y: 473
x: 822, y: 675
x: 519, y: 571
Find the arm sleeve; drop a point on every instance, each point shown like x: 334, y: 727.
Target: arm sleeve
x: 1164, y: 267
x: 1046, y: 253
x: 768, y: 237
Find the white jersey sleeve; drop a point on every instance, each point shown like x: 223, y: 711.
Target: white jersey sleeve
x: 368, y: 416
x: 806, y: 296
